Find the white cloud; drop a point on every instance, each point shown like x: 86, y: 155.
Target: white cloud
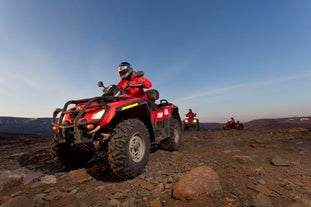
x: 239, y: 87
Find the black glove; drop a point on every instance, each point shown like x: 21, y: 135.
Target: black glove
x: 141, y: 85
x: 138, y: 85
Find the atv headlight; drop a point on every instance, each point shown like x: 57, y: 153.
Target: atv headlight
x: 194, y: 121
x: 98, y: 114
x: 186, y: 121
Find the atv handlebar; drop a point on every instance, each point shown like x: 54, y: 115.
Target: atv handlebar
x: 111, y: 90
x: 115, y: 91
x: 138, y: 85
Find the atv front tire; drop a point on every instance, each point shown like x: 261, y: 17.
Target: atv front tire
x: 186, y: 128
x: 172, y: 143
x: 129, y: 148
x: 68, y: 157
x: 197, y: 127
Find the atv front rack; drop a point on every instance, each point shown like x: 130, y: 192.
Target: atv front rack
x: 78, y: 113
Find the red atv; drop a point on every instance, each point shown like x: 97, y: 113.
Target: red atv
x: 114, y: 124
x: 191, y: 122
x: 236, y: 125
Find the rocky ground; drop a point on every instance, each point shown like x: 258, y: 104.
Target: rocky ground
x: 248, y: 168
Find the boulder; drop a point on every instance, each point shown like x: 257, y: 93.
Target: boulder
x: 78, y: 176
x: 200, y: 181
x: 278, y: 161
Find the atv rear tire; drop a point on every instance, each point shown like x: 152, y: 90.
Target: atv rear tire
x: 172, y: 143
x: 68, y: 157
x: 129, y: 148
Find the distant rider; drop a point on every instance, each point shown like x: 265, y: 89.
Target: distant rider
x: 232, y: 121
x: 130, y: 83
x: 190, y: 114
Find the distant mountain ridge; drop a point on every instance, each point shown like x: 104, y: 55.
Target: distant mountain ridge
x: 36, y: 126
x: 42, y: 126
x: 304, y: 121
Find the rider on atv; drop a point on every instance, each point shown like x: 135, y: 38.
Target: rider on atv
x: 131, y: 83
x: 231, y: 122
x: 191, y: 121
x: 190, y: 114
x: 119, y: 126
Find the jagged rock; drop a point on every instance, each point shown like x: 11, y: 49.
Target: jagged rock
x: 9, y: 180
x: 159, y: 188
x: 19, y: 201
x: 199, y: 181
x: 114, y: 203
x: 146, y: 185
x: 17, y: 177
x: 277, y: 161
x: 261, y: 189
x: 301, y: 204
x: 53, y: 195
x: 39, y: 199
x: 100, y: 188
x: 45, y: 180
x: 49, y: 179
x: 78, y: 176
x: 243, y: 159
x: 36, y: 184
x: 155, y: 203
x: 3, y: 178
x: 262, y: 200
x: 31, y: 176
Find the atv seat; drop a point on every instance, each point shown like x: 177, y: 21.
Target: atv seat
x: 152, y: 95
x: 164, y: 102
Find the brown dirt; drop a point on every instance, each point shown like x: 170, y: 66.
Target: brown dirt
x: 256, y: 167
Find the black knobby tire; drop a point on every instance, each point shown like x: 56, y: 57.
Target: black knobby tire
x: 197, y: 127
x: 172, y: 143
x: 241, y: 126
x: 129, y: 148
x: 186, y: 128
x: 68, y: 157
x: 226, y: 127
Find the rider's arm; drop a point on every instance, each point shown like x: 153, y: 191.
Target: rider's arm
x: 122, y: 84
x: 146, y: 82
x: 140, y: 82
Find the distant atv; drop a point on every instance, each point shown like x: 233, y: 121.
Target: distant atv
x: 236, y: 125
x: 191, y: 122
x: 114, y: 124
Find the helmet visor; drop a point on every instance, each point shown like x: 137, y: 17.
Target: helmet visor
x: 123, y: 73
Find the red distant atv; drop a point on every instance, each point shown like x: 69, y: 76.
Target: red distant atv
x: 123, y: 127
x: 191, y: 122
x: 236, y: 125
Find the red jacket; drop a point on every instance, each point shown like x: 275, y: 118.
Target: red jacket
x: 135, y: 91
x: 190, y: 114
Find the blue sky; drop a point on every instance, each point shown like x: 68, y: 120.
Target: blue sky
x: 244, y: 58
